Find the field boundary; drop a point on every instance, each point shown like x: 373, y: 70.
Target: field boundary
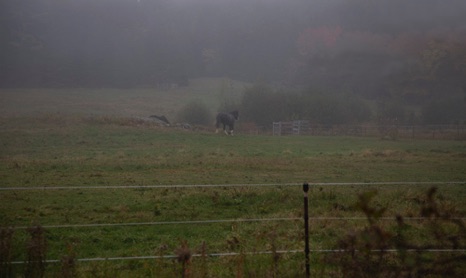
x: 45, y: 187
x: 215, y: 221
x: 248, y: 254
x: 392, y: 131
x: 305, y: 219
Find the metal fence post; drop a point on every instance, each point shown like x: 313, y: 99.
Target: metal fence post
x: 306, y: 228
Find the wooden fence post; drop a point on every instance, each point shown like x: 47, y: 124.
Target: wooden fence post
x: 306, y: 228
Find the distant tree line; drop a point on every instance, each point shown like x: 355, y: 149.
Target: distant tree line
x: 262, y: 105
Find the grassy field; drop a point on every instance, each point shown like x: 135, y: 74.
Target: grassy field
x: 77, y: 148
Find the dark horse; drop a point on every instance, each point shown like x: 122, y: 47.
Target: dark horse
x: 227, y: 119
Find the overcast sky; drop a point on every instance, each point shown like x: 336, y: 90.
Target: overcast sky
x: 244, y: 39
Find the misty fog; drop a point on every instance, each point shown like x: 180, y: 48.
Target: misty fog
x: 388, y: 49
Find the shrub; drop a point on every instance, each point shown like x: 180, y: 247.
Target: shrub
x: 444, y: 111
x: 262, y: 105
x: 195, y: 112
x: 366, y: 253
x: 36, y: 250
x: 6, y: 246
x: 390, y: 110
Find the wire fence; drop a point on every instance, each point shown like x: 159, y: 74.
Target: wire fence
x: 216, y: 221
x: 244, y: 253
x: 213, y: 221
x: 390, y: 131
x: 47, y: 187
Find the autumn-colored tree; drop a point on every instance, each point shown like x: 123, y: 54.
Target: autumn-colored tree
x: 438, y: 64
x: 313, y: 41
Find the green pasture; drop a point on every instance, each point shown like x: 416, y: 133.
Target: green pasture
x: 95, y: 151
x: 79, y: 149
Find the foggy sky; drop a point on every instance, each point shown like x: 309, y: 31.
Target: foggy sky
x: 108, y: 43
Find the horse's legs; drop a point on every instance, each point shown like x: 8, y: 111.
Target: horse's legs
x: 217, y: 125
x: 230, y: 130
x: 227, y: 132
x: 224, y: 128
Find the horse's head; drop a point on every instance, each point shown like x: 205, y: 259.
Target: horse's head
x: 235, y: 114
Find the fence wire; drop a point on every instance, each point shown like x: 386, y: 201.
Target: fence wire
x: 46, y: 187
x: 215, y: 221
x: 231, y: 220
x: 249, y: 254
